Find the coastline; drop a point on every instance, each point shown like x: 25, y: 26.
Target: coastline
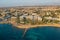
x: 27, y: 26
x: 34, y: 26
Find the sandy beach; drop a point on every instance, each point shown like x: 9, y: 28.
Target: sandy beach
x: 33, y: 26
x: 40, y: 25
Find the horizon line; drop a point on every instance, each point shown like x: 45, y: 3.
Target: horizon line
x: 30, y: 6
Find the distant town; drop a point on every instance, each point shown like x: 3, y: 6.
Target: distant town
x: 30, y: 15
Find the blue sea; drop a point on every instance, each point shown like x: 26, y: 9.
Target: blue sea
x: 9, y: 32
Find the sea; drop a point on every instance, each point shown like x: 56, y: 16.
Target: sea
x: 10, y: 32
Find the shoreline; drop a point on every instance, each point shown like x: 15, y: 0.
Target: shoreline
x: 23, y: 26
x: 34, y: 26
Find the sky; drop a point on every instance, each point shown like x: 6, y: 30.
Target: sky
x: 10, y: 3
